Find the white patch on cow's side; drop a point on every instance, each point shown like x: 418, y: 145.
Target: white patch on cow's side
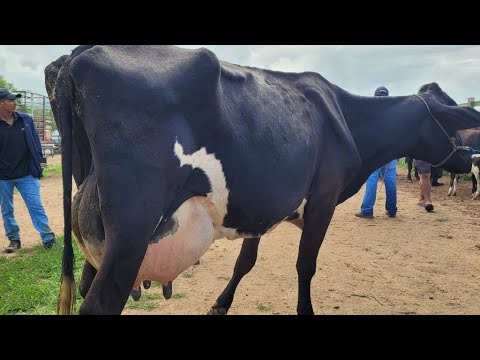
x: 218, y: 197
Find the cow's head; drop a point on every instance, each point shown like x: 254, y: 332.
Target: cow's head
x: 434, y: 145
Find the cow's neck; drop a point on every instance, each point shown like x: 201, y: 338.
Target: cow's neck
x: 381, y: 131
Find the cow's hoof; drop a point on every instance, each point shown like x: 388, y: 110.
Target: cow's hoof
x: 136, y: 294
x: 217, y: 311
x: 167, y: 290
x: 409, y: 178
x: 147, y: 284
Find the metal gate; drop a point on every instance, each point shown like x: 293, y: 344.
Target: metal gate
x: 38, y: 106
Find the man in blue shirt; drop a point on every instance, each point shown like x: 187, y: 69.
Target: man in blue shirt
x: 388, y: 173
x: 20, y: 156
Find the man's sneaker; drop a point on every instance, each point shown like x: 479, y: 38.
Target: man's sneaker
x: 49, y: 244
x: 13, y: 246
x: 391, y: 215
x: 362, y: 215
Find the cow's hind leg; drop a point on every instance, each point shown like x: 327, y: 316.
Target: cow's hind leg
x: 88, y: 274
x: 245, y: 262
x: 126, y: 242
x: 115, y: 278
x: 316, y: 221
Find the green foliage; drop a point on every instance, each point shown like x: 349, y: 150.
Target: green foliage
x: 5, y: 84
x: 30, y: 280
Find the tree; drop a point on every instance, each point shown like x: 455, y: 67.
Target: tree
x: 5, y: 84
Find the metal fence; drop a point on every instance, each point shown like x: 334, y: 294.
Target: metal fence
x: 470, y: 102
x: 38, y: 106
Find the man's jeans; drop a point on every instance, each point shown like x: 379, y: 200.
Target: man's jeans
x: 389, y: 174
x: 29, y: 188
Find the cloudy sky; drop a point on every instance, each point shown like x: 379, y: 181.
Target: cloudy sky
x: 358, y: 69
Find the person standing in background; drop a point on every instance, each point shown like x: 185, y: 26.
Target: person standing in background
x: 20, y: 158
x: 388, y: 173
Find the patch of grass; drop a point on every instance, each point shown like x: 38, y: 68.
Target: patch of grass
x: 145, y: 303
x: 187, y: 274
x: 140, y: 305
x: 30, y: 281
x: 264, y: 308
x: 52, y: 170
x: 401, y: 163
x: 179, y: 295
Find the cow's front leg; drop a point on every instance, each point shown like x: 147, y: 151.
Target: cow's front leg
x: 316, y: 221
x: 245, y: 262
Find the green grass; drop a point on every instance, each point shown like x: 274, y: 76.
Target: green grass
x: 401, y: 163
x: 179, y: 295
x: 146, y: 302
x: 264, y: 308
x: 52, y: 170
x: 30, y: 281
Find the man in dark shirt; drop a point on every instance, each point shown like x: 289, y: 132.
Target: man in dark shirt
x: 20, y: 156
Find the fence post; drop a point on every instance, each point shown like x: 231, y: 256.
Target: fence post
x: 471, y: 102
x: 44, y: 120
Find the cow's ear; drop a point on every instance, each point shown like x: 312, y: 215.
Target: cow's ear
x: 455, y: 118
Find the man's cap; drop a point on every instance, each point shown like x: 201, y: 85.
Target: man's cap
x: 6, y: 94
x: 381, y: 91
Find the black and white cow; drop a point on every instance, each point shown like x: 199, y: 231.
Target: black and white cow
x: 468, y: 137
x: 172, y: 149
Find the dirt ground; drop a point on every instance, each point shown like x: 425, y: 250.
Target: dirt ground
x: 416, y: 263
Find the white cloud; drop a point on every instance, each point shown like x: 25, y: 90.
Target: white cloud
x: 23, y: 65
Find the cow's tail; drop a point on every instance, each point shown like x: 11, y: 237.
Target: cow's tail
x: 66, y: 298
